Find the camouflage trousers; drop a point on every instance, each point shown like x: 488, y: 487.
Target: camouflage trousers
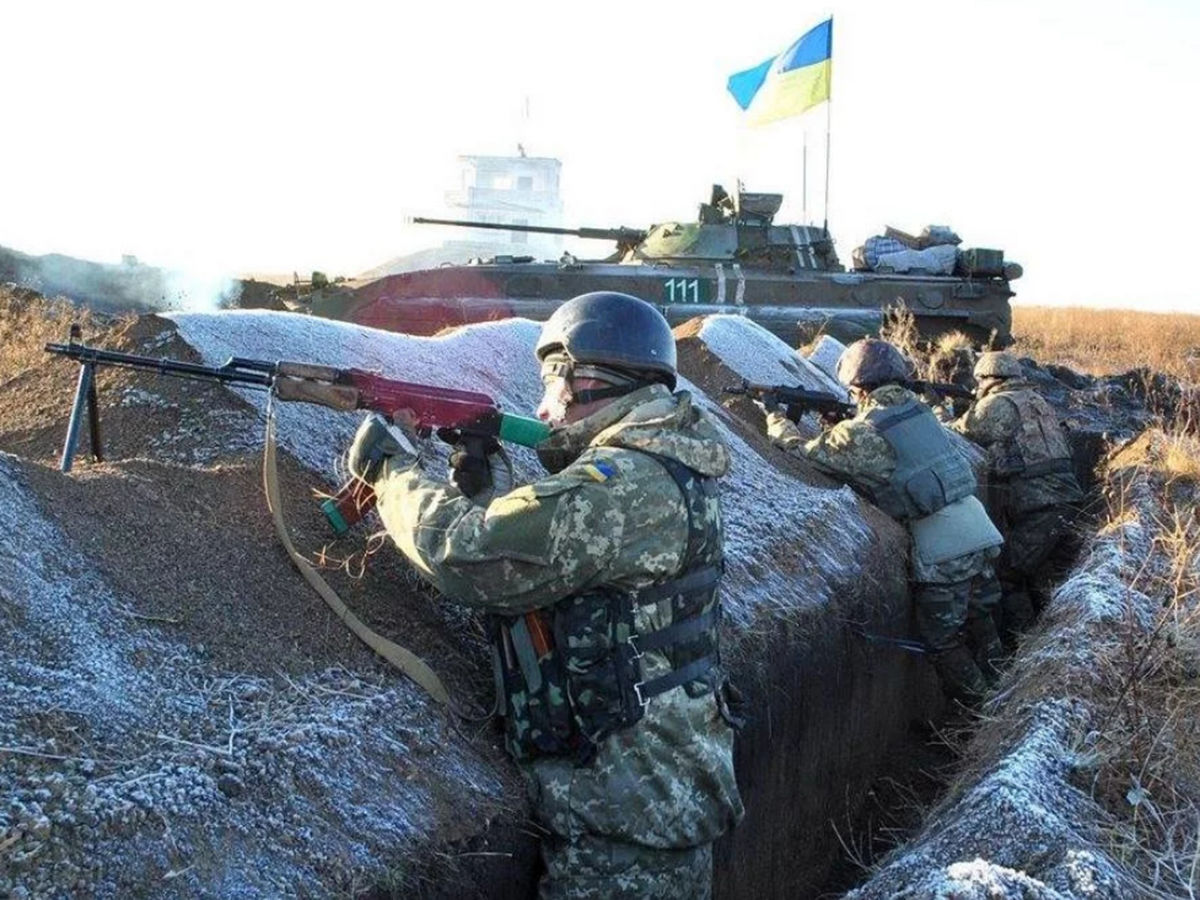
x: 592, y: 868
x: 1033, y: 540
x: 944, y: 611
x: 956, y: 622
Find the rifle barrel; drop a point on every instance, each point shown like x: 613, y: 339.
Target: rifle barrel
x: 259, y: 374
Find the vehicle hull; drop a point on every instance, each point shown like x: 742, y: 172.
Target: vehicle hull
x: 795, y: 307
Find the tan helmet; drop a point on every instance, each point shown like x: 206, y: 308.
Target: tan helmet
x: 997, y: 364
x: 871, y: 362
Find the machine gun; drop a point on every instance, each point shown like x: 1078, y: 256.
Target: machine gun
x: 626, y: 238
x: 468, y: 418
x: 796, y: 401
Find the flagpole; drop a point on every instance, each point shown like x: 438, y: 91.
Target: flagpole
x: 804, y: 180
x: 828, y: 122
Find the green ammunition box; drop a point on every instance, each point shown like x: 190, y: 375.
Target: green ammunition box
x: 978, y: 261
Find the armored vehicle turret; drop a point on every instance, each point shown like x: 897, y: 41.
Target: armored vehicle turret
x: 733, y: 259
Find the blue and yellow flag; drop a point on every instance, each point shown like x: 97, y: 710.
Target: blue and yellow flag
x: 790, y: 83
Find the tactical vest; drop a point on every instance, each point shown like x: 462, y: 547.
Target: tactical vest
x: 929, y: 472
x: 569, y: 675
x: 1038, y: 446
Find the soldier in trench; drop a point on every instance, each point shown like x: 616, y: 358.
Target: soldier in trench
x: 896, y: 454
x: 1032, y: 490
x: 601, y: 586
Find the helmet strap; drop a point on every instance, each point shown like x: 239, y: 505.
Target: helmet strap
x: 607, y: 393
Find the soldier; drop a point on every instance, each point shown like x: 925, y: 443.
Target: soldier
x: 1032, y: 488
x: 895, y: 453
x: 600, y: 582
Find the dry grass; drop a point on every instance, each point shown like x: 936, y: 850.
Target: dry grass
x: 1148, y: 753
x: 1182, y: 456
x: 28, y: 321
x: 1107, y: 341
x: 949, y: 358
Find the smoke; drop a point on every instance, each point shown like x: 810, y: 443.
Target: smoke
x: 201, y: 292
x: 127, y: 287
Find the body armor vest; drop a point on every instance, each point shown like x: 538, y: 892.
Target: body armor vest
x: 571, y: 674
x: 929, y: 473
x: 1038, y: 446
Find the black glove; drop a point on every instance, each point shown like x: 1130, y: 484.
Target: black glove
x: 831, y: 417
x: 373, y: 444
x: 471, y: 464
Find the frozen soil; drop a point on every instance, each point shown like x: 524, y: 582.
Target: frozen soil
x: 181, y: 716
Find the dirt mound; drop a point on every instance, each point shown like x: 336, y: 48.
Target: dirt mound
x: 708, y: 371
x: 212, y: 678
x: 199, y: 680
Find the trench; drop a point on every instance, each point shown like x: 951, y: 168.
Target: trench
x: 849, y: 743
x: 843, y: 749
x: 830, y: 715
x: 894, y: 806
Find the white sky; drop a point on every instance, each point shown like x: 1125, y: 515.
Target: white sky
x: 280, y: 136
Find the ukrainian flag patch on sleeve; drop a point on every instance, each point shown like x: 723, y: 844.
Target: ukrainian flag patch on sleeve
x: 600, y: 471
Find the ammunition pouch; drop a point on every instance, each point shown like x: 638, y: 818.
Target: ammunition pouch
x: 569, y: 676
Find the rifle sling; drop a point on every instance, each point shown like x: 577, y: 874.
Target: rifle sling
x: 404, y: 660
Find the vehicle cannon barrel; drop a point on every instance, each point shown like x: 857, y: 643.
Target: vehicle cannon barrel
x: 626, y: 237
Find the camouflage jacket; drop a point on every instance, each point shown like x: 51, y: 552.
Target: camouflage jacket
x: 852, y: 451
x: 1016, y: 427
x: 614, y: 516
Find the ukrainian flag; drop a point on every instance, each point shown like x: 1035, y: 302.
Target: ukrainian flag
x: 790, y: 83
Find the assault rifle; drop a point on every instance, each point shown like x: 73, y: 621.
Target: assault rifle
x: 796, y: 401
x: 461, y: 417
x: 942, y: 389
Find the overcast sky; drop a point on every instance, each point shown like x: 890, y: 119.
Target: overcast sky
x: 283, y: 136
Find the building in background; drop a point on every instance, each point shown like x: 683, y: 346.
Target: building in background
x: 514, y: 190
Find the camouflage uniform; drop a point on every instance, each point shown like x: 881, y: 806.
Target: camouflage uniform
x: 948, y: 595
x: 639, y: 818
x: 1032, y: 489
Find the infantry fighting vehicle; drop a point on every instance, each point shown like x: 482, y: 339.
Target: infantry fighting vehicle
x: 734, y: 259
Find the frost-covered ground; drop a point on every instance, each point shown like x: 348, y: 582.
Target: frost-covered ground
x: 127, y: 760
x: 1021, y: 822
x: 765, y: 509
x: 132, y: 761
x: 762, y: 358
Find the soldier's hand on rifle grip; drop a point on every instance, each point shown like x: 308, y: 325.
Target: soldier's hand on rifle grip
x: 830, y: 417
x: 471, y: 465
x: 769, y: 401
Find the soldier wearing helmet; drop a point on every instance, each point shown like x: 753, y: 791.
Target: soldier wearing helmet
x: 601, y: 587
x: 1032, y: 489
x: 896, y: 453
